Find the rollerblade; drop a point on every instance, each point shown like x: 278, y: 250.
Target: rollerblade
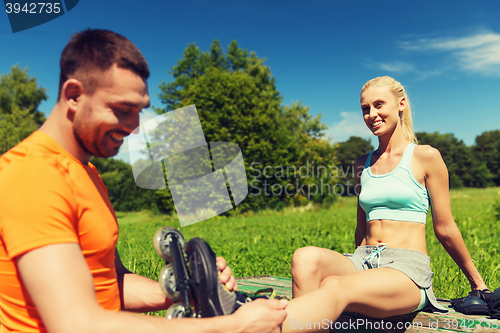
x: 191, y: 277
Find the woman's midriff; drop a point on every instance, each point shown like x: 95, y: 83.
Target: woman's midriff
x: 396, y: 234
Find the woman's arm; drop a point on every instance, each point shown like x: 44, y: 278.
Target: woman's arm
x: 445, y: 228
x: 361, y: 215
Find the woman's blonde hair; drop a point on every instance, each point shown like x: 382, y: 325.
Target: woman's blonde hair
x: 399, y: 91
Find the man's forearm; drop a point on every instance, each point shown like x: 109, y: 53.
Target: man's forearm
x: 141, y: 294
x: 129, y: 322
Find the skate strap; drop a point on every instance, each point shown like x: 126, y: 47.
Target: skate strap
x: 258, y: 294
x: 266, y: 290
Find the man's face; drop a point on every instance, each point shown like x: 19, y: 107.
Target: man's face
x: 111, y: 113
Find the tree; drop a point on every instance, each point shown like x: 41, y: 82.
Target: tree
x: 487, y: 151
x: 195, y: 63
x: 237, y: 57
x: 237, y: 101
x: 20, y: 97
x: 123, y: 192
x: 496, y: 209
x: 347, y: 153
x: 312, y: 152
x: 463, y: 168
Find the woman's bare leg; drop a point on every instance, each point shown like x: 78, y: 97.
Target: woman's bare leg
x: 379, y: 293
x: 311, y: 265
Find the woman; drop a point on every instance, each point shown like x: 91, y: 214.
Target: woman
x: 389, y: 273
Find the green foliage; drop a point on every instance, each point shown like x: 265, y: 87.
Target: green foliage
x: 487, y: 150
x: 20, y: 97
x: 19, y: 91
x: 124, y: 194
x: 194, y: 63
x: 237, y: 58
x: 231, y: 109
x: 263, y: 243
x: 165, y: 202
x: 347, y: 153
x: 463, y: 168
x: 14, y: 128
x: 496, y: 208
x: 237, y: 101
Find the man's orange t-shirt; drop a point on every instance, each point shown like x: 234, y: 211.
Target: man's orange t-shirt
x: 47, y: 196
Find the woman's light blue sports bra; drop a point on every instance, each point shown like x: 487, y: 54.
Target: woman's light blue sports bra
x: 396, y: 196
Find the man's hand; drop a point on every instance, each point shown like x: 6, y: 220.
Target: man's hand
x: 226, y: 277
x: 261, y: 316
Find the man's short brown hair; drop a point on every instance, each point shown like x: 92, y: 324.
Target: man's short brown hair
x: 91, y: 52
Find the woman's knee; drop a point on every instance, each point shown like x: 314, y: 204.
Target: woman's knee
x: 334, y: 287
x: 306, y: 260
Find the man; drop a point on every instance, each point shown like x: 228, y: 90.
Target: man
x: 59, y: 268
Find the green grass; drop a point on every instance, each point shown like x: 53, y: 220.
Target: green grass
x: 263, y: 243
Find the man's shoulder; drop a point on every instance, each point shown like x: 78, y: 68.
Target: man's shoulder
x: 33, y: 159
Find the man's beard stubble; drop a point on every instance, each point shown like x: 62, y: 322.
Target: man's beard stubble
x: 89, y: 143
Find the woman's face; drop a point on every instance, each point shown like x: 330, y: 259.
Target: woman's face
x: 381, y: 109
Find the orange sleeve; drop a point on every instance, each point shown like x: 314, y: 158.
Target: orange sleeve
x: 37, y: 205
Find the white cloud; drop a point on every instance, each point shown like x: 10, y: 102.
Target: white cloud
x: 397, y: 67
x: 352, y: 124
x: 479, y: 53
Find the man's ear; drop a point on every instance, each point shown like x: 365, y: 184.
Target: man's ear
x: 71, y: 92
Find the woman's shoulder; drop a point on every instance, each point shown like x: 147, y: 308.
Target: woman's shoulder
x: 426, y: 154
x: 362, y: 160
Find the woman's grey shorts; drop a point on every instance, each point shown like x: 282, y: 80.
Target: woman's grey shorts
x: 414, y: 264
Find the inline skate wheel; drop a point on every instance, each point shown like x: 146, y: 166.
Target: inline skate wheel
x: 168, y: 283
x: 176, y: 310
x: 162, y: 240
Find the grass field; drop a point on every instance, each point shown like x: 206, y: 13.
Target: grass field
x: 263, y: 243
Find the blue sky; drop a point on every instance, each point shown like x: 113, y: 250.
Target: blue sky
x: 447, y: 54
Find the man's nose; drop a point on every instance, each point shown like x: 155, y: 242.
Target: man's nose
x: 132, y: 122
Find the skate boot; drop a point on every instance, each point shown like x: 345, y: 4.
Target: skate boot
x: 191, y: 277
